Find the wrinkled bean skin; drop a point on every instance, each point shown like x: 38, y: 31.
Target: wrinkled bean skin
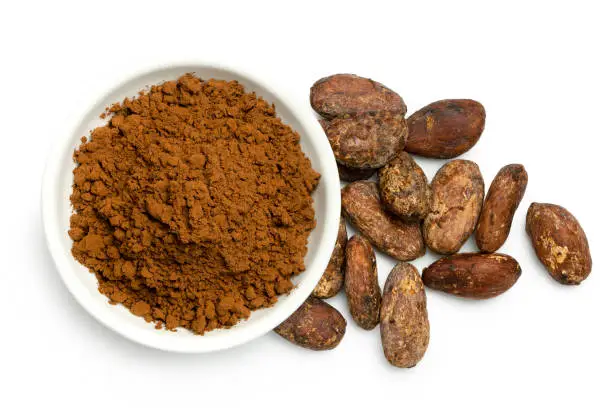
x: 403, y: 187
x: 333, y: 278
x: 445, y: 129
x: 316, y: 325
x: 559, y: 242
x: 366, y: 141
x: 361, y: 287
x: 348, y: 173
x: 361, y: 206
x: 404, y: 323
x: 503, y: 198
x: 457, y: 195
x: 345, y: 95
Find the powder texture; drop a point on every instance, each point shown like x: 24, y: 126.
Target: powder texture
x: 192, y: 205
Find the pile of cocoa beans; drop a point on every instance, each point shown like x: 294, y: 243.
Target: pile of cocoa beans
x: 402, y: 214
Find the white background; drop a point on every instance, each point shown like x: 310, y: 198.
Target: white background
x: 541, y: 70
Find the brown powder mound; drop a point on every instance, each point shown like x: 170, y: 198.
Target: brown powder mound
x: 192, y: 205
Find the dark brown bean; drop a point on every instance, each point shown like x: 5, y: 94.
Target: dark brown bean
x: 345, y: 95
x: 560, y: 243
x: 366, y: 141
x: 503, y: 198
x: 445, y: 129
x: 349, y: 174
x: 457, y: 193
x: 404, y: 324
x: 403, y: 187
x: 473, y: 275
x: 316, y: 325
x: 362, y: 207
x: 333, y: 278
x: 361, y: 287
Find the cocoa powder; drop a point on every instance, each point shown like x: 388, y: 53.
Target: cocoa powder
x: 192, y: 205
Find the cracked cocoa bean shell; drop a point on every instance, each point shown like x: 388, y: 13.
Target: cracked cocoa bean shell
x: 473, y: 275
x: 333, y: 278
x: 457, y: 193
x: 404, y: 324
x: 403, y: 187
x: 446, y: 128
x: 361, y: 285
x: 316, y: 325
x: 503, y: 198
x: 361, y: 206
x: 366, y: 141
x: 344, y: 95
x: 559, y: 242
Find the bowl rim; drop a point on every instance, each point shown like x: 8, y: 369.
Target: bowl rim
x: 276, y: 314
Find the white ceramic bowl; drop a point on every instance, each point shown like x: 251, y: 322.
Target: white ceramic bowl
x: 57, y: 185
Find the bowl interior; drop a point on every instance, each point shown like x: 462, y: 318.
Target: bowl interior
x: 57, y: 185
